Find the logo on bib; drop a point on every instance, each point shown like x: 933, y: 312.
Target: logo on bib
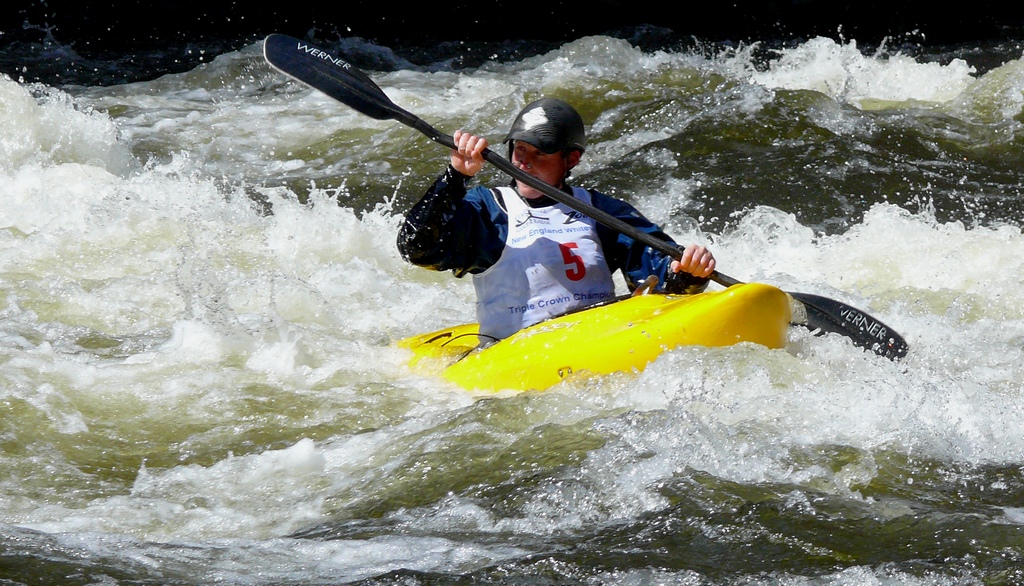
x: 528, y: 217
x: 573, y: 217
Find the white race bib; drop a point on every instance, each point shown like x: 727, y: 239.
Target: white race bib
x: 552, y: 263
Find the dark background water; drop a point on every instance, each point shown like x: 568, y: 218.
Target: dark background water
x: 92, y: 43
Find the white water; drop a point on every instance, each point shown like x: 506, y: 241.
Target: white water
x: 147, y: 306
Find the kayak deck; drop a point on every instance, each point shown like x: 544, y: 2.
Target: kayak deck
x: 619, y: 337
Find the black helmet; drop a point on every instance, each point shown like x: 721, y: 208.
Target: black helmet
x: 551, y: 125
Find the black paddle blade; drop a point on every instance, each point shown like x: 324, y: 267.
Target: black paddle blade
x: 830, y: 315
x: 330, y: 74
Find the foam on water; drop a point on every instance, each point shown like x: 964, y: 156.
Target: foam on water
x: 843, y: 72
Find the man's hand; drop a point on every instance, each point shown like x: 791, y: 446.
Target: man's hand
x: 696, y: 260
x: 468, y: 157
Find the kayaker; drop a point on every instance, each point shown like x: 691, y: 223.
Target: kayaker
x: 532, y: 257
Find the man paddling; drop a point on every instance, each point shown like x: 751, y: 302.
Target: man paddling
x: 532, y: 257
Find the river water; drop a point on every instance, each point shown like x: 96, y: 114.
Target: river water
x: 200, y: 291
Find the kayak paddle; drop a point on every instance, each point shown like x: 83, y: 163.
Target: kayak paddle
x: 342, y: 81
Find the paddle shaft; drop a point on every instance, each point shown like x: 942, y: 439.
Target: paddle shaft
x: 562, y: 197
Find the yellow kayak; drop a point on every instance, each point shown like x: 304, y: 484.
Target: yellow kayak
x: 618, y: 337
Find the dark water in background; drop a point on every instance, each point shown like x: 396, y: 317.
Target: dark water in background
x: 196, y: 391
x: 59, y: 42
